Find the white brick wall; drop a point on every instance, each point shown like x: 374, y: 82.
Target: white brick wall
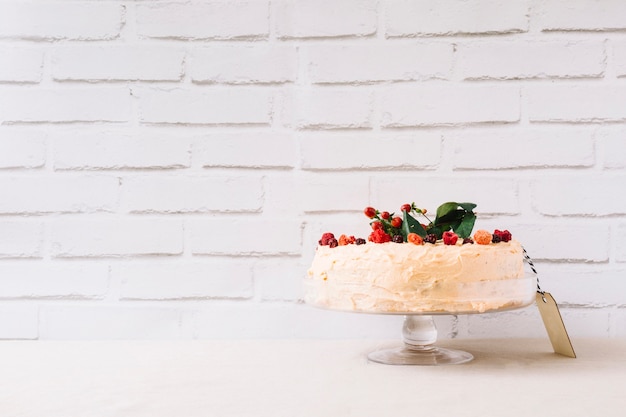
x: 166, y: 168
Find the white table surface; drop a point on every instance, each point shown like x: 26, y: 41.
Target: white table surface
x: 514, y: 377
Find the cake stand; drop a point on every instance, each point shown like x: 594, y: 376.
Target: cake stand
x: 419, y: 333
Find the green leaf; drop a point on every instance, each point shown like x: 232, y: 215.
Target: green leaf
x: 464, y: 229
x: 446, y: 208
x: 410, y: 225
x: 467, y: 206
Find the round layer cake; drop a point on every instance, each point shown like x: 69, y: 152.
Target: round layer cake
x: 429, y: 278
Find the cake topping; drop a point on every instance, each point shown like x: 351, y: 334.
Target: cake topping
x: 453, y: 221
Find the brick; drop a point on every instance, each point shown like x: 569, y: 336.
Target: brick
x: 579, y: 15
x: 519, y: 323
x: 244, y: 236
x: 343, y: 108
x: 603, y: 286
x: 93, y: 237
x: 184, y: 280
x: 132, y: 62
x: 450, y: 17
x: 18, y: 321
x: 211, y: 20
x: 619, y: 58
x: 584, y: 195
x: 205, y: 106
x: 65, y: 105
x: 22, y: 148
x: 111, y: 322
x: 246, y: 150
x: 527, y: 148
x: 593, y: 248
x: 279, y: 279
x: 21, y: 239
x: 60, y: 20
x: 327, y: 151
x: 586, y: 322
x: 613, y: 145
x: 237, y: 64
x: 404, y: 106
x: 325, y: 18
x: 366, y: 63
x: 620, y: 243
x: 341, y: 193
x: 58, y: 194
x: 54, y: 280
x: 119, y: 149
x: 191, y: 194
x: 491, y: 195
x: 576, y: 103
x: 524, y: 60
x: 23, y: 65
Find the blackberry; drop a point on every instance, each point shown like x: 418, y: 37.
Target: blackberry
x: 431, y: 238
x: 333, y: 243
x: 397, y: 239
x: 468, y: 240
x: 496, y: 238
x: 360, y: 241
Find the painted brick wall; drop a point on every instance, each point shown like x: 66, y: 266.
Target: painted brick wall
x: 167, y: 167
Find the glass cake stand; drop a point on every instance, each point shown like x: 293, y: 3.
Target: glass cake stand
x: 419, y: 333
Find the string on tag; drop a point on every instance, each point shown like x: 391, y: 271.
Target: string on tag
x: 532, y: 267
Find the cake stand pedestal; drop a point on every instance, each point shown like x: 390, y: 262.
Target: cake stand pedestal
x: 419, y: 335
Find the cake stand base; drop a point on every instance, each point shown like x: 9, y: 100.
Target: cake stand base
x: 419, y: 335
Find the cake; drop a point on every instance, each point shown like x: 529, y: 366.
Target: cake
x: 407, y: 266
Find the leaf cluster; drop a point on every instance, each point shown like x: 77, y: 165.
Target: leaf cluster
x: 458, y: 217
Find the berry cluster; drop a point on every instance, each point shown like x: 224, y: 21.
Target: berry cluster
x: 453, y: 221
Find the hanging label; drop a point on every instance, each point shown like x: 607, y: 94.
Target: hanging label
x: 555, y: 327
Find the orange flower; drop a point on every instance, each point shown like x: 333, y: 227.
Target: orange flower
x: 482, y: 237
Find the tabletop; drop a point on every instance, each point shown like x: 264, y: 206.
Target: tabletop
x: 508, y: 377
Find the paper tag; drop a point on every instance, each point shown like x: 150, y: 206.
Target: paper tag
x: 554, y: 325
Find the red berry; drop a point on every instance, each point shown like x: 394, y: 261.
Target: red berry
x: 370, y: 212
x: 384, y: 215
x: 405, y: 207
x: 504, y: 235
x: 450, y: 238
x: 326, y: 238
x: 396, y: 222
x: 333, y: 243
x: 379, y: 236
x: 377, y: 225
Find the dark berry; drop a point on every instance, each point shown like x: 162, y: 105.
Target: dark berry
x: 333, y: 243
x: 431, y: 238
x: 468, y: 240
x: 496, y: 238
x: 397, y: 239
x: 360, y: 241
x: 504, y: 235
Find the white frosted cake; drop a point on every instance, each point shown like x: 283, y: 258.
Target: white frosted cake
x: 410, y: 274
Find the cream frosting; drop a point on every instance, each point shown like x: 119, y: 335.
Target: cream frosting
x: 407, y: 278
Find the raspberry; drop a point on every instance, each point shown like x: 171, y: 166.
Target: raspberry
x: 377, y: 225
x: 397, y: 239
x: 504, y: 235
x: 468, y: 240
x: 415, y: 239
x: 431, y: 238
x: 379, y: 236
x: 450, y: 238
x: 325, y: 238
x: 385, y: 215
x: 333, y: 243
x: 482, y: 237
x: 496, y: 238
x: 396, y: 222
x: 360, y: 241
x: 405, y: 207
x: 370, y: 212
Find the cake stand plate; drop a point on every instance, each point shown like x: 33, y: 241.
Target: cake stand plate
x: 419, y: 335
